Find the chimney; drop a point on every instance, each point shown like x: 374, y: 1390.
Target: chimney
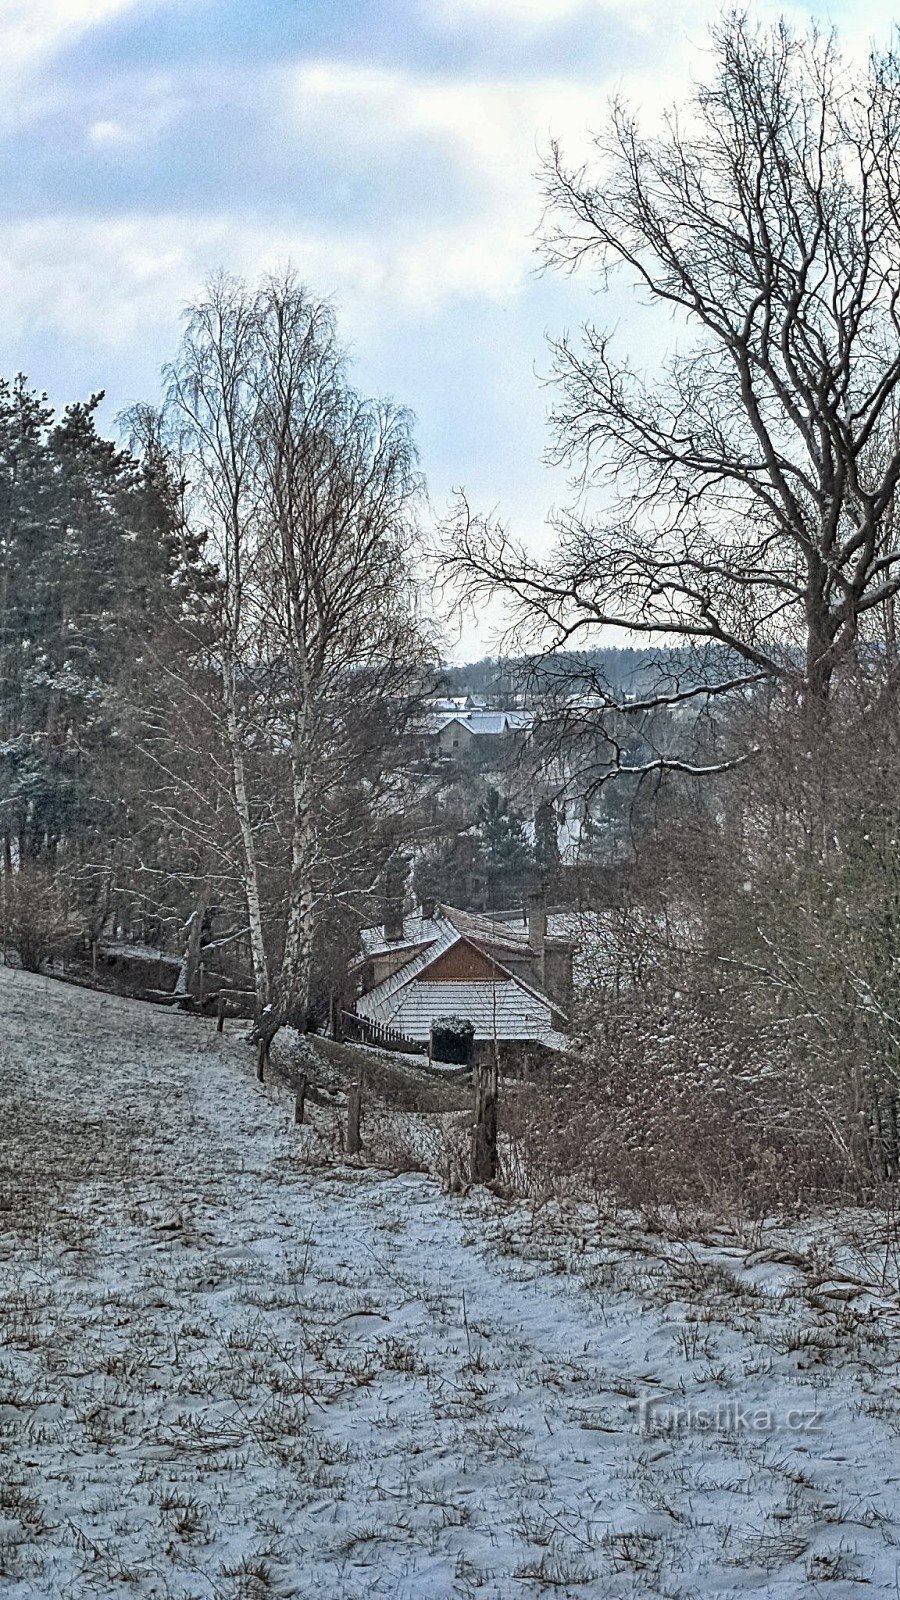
x: 393, y: 921
x: 428, y: 908
x: 536, y: 915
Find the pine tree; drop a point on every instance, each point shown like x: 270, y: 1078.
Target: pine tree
x: 505, y: 852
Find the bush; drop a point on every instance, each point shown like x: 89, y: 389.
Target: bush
x: 453, y: 1040
x: 33, y: 917
x: 673, y: 1104
x: 740, y: 1045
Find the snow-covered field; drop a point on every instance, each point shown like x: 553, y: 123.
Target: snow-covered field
x: 231, y: 1370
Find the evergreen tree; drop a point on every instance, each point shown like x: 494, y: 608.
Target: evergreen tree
x: 546, y: 843
x: 504, y: 850
x: 91, y: 562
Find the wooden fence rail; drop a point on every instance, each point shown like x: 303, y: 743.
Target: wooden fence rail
x: 364, y: 1031
x: 238, y: 997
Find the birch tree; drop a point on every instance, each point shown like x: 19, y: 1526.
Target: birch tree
x: 306, y: 494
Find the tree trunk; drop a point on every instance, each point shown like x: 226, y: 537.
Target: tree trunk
x: 251, y: 870
x: 190, y: 967
x: 296, y: 967
x: 484, y: 1124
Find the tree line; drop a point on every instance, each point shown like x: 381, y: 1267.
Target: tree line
x: 211, y: 643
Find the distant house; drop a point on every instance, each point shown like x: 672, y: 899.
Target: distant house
x: 512, y: 983
x: 456, y: 730
x: 453, y: 703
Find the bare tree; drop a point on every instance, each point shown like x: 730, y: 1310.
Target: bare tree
x: 747, y: 489
x: 305, y: 494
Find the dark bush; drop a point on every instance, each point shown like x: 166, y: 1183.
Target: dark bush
x: 32, y: 915
x: 453, y: 1040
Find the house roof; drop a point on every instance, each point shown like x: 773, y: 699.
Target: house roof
x: 494, y: 935
x: 507, y: 1007
x: 479, y: 721
x: 457, y: 702
x: 505, y: 1010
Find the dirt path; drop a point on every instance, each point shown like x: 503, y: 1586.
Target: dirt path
x: 231, y: 1373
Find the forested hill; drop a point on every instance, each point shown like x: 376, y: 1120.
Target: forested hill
x: 621, y: 669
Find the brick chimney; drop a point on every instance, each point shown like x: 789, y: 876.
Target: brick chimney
x: 393, y: 921
x: 428, y: 908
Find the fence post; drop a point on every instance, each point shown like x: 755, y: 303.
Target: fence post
x: 201, y: 995
x: 354, y: 1112
x: 300, y: 1100
x: 220, y: 1012
x: 262, y: 1059
x: 484, y: 1123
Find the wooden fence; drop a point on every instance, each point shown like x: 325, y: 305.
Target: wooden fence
x: 364, y: 1031
x: 241, y: 1001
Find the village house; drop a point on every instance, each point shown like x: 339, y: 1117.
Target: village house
x: 513, y: 983
x: 459, y: 725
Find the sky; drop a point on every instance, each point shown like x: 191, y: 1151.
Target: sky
x: 388, y: 150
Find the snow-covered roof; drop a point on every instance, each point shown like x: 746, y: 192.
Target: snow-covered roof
x: 417, y: 930
x: 495, y: 935
x: 420, y: 957
x: 480, y: 722
x: 506, y: 1008
x: 503, y: 1010
x: 457, y: 702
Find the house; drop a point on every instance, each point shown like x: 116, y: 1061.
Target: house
x: 511, y: 982
x: 454, y: 703
x: 456, y: 731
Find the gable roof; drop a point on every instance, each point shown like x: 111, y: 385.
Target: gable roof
x: 522, y: 1013
x: 494, y: 935
x: 456, y: 702
x: 478, y: 720
x: 421, y: 956
x: 504, y: 1010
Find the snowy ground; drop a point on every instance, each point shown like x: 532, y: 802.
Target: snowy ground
x: 233, y: 1371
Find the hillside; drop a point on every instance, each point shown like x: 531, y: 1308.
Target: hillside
x: 235, y: 1367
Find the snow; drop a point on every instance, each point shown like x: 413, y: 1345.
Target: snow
x: 505, y: 1009
x: 236, y: 1368
x: 139, y: 952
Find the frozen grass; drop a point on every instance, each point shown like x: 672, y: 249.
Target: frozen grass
x: 235, y: 1369
x: 405, y: 1082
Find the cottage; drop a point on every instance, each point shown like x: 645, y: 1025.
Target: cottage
x: 511, y: 982
x: 456, y: 731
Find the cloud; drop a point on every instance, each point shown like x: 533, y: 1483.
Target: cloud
x: 112, y: 282
x: 108, y: 132
x: 109, y: 254
x: 483, y: 115
x: 131, y: 113
x: 30, y: 29
x: 488, y: 135
x: 533, y: 16
x: 115, y: 278
x: 528, y: 13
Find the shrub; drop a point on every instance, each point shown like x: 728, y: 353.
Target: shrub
x: 666, y: 1105
x: 452, y: 1040
x: 33, y: 917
